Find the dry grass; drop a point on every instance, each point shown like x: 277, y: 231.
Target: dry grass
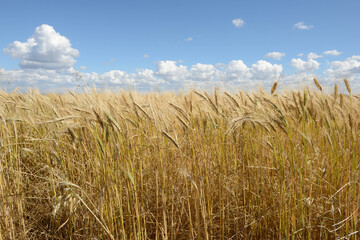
x: 179, y: 166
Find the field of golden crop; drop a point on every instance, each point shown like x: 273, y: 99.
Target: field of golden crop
x: 193, y: 165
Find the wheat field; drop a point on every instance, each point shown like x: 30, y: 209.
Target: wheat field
x: 194, y: 165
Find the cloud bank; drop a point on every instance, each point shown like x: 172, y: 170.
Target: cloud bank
x: 46, y: 61
x: 171, y: 75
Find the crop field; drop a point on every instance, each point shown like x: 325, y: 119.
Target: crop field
x: 193, y: 165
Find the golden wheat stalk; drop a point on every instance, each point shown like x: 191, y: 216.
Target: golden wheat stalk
x: 58, y: 120
x: 273, y: 89
x: 211, y: 102
x: 335, y: 92
x: 347, y: 85
x: 232, y: 99
x: 143, y: 111
x: 317, y: 84
x: 100, y: 121
x: 170, y: 138
x: 341, y: 99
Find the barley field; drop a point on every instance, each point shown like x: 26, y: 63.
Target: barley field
x: 193, y: 165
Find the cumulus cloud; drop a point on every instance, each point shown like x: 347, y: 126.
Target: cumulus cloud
x: 301, y: 65
x: 313, y: 56
x: 188, y: 39
x: 37, y: 78
x: 117, y: 77
x: 332, y: 52
x: 168, y: 70
x: 355, y: 57
x: 265, y: 70
x: 302, y: 26
x: 238, y: 71
x: 142, y: 79
x: 235, y: 70
x: 173, y: 75
x: 347, y: 67
x: 297, y: 80
x: 275, y: 55
x: 45, y: 49
x: 83, y: 67
x: 146, y: 56
x: 238, y: 22
x: 203, y: 72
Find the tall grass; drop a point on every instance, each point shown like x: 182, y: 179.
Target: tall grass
x: 180, y: 166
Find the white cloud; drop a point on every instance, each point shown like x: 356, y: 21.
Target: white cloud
x: 238, y: 22
x: 171, y: 75
x: 188, y: 39
x: 297, y: 80
x: 168, y: 70
x: 83, y: 68
x: 142, y: 78
x: 45, y: 49
x: 332, y: 52
x: 349, y: 66
x: 300, y: 54
x: 146, y: 76
x: 146, y: 56
x: 275, y: 55
x: 302, y: 26
x: 265, y: 70
x: 355, y: 57
x: 302, y: 65
x: 117, y: 77
x: 37, y: 77
x: 203, y: 72
x: 235, y: 70
x: 313, y: 56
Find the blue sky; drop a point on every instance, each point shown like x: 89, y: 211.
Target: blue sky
x: 179, y: 43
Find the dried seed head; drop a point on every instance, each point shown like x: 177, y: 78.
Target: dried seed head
x: 350, y: 121
x: 335, y: 92
x: 341, y: 100
x: 216, y: 97
x: 317, y: 84
x: 171, y: 139
x: 347, y: 85
x: 99, y: 119
x: 274, y: 87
